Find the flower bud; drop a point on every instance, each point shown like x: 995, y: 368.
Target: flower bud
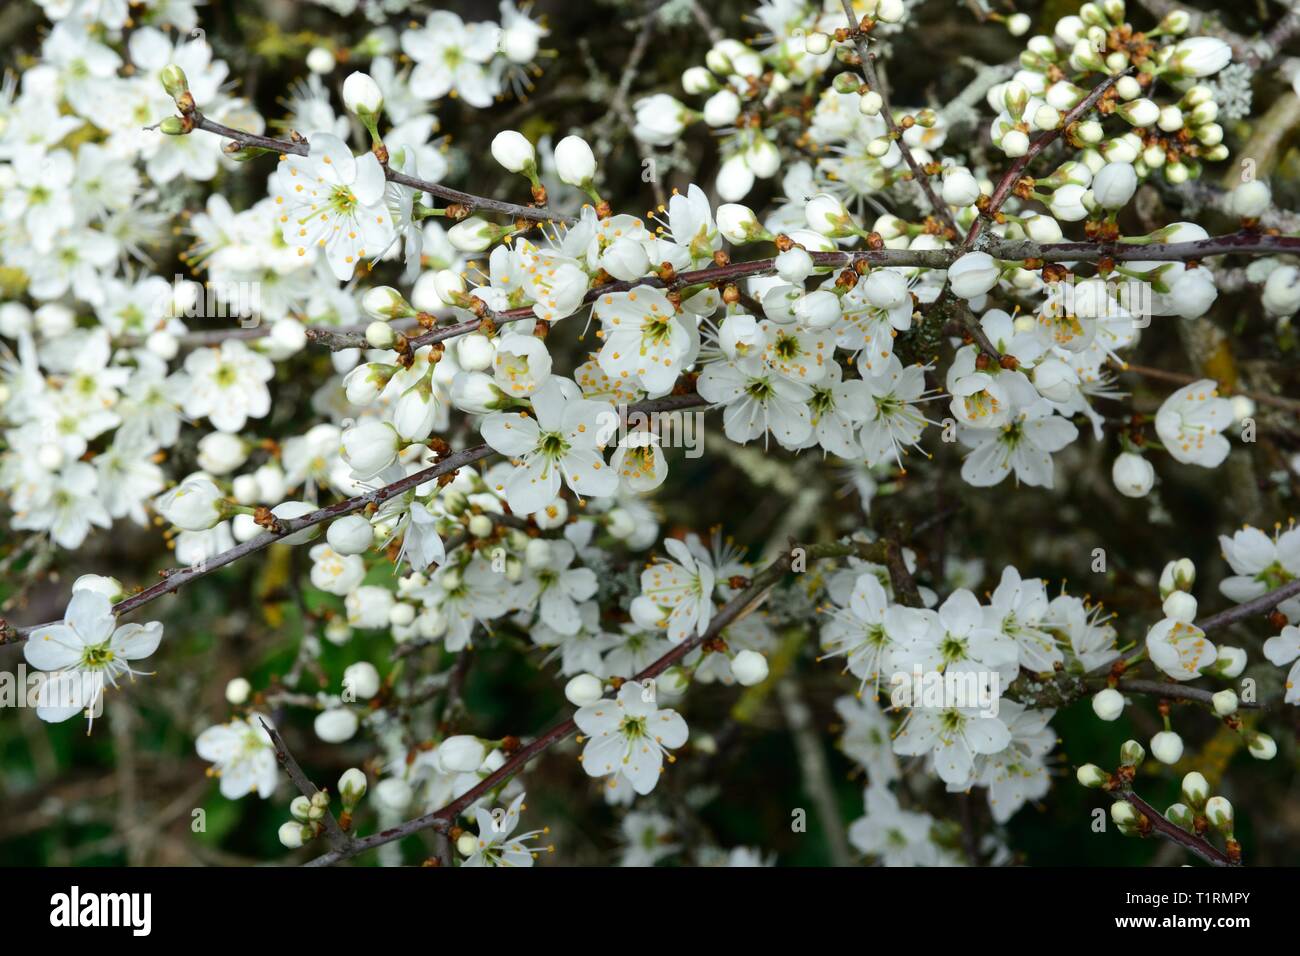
x: 385, y: 304
x: 1195, y: 789
x: 336, y: 725
x: 292, y: 835
x: 362, y: 679
x: 575, y: 163
x: 749, y: 668
x: 1250, y: 200
x: 1180, y: 606
x: 1262, y: 747
x: 1108, y: 704
x: 816, y: 42
x: 461, y: 754
x: 480, y: 526
x: 1092, y: 776
x: 1200, y: 56
x: 1230, y: 662
x: 1131, y: 754
x: 352, y: 787
x: 1225, y: 702
x: 196, y: 504
x: 1181, y: 816
x: 513, y: 151
x: 300, y: 808
x: 973, y: 275
x: 1219, y: 812
x: 174, y: 81
x: 1125, y: 817
x: 361, y: 95
x: 370, y: 447
x: 351, y: 534
x: 466, y: 844
x: 474, y: 234
x: 380, y: 336
x: 1167, y: 747
x: 1132, y: 474
x: 738, y: 224
x: 871, y: 103
x: 238, y: 690
x: 583, y: 690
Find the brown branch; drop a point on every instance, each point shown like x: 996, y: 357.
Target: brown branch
x: 535, y: 213
x: 1172, y: 691
x: 337, y: 838
x: 739, y: 606
x: 1260, y: 605
x: 1182, y: 378
x: 177, y: 577
x: 1176, y: 834
x: 873, y: 81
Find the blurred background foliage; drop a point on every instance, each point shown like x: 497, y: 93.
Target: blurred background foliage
x: 131, y: 791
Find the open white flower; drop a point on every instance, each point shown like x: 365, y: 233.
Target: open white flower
x: 565, y: 439
x: 1179, y: 649
x: 1189, y: 423
x: 227, y: 385
x: 643, y: 337
x: 676, y: 595
x: 630, y: 736
x: 83, y: 652
x: 242, y: 755
x: 494, y: 845
x: 334, y: 201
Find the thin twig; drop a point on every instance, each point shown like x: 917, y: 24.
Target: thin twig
x: 334, y: 833
x: 469, y: 200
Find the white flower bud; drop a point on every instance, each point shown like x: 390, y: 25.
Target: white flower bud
x: 1230, y: 662
x: 722, y: 108
x: 1092, y: 776
x: 513, y: 151
x: 1250, y: 200
x: 221, y: 452
x: 871, y: 103
x: 794, y: 265
x: 475, y: 352
x: 480, y: 526
x: 1262, y: 747
x: 972, y: 275
x: 352, y: 786
x: 1219, y: 812
x: 474, y: 234
x: 817, y: 42
x: 1108, y: 704
x: 1167, y: 747
x: 1123, y: 814
x: 575, y: 163
x: 449, y: 286
x: 1200, y: 56
x: 1018, y: 24
x: 1139, y: 112
x: 380, y: 336
x: 697, y: 80
x: 195, y: 504
x: 960, y: 187
x: 321, y: 61
x: 466, y: 844
x: 890, y: 11
x: 293, y: 834
x: 335, y: 725
x: 238, y: 690
x: 1195, y: 789
x: 361, y: 95
x: 625, y: 258
x: 1180, y: 606
x: 385, y: 304
x: 362, y: 679
x: 826, y: 214
x: 370, y: 447
x: 749, y: 668
x: 351, y: 534
x: 1014, y: 143
x: 737, y: 223
x: 461, y: 754
x: 1114, y: 185
x: 584, y: 690
x: 1225, y: 702
x: 1132, y: 474
x: 401, y: 614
